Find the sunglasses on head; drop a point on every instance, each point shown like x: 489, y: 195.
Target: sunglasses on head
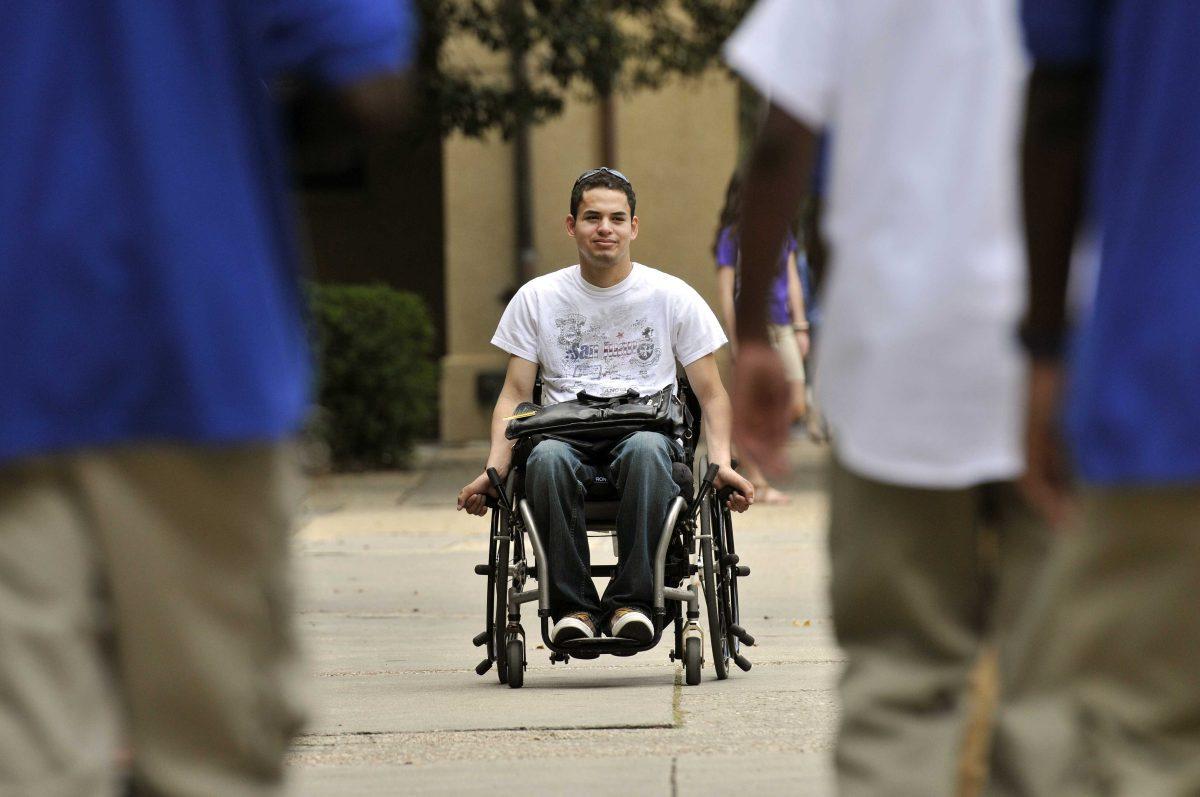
x: 601, y: 170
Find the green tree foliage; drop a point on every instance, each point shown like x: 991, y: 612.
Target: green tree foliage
x: 600, y: 49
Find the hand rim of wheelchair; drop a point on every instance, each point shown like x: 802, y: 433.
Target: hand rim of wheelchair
x: 717, y: 624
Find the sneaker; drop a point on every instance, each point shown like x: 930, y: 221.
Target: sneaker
x: 579, y: 625
x: 630, y: 623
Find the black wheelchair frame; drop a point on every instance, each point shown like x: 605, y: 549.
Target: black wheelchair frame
x: 695, y: 552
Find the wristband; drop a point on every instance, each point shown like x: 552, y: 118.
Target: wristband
x: 800, y: 327
x: 1042, y: 344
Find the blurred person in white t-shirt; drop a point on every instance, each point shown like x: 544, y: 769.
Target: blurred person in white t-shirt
x: 919, y: 371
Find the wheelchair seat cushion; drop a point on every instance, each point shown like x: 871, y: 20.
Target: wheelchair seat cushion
x: 600, y: 488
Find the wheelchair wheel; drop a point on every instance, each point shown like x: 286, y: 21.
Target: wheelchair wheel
x: 500, y: 604
x: 514, y: 653
x: 489, y: 617
x: 718, y: 629
x: 691, y: 661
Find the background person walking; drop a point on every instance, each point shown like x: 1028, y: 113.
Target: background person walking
x: 920, y: 376
x: 789, y: 329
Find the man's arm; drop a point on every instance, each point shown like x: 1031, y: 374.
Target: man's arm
x: 518, y: 387
x: 780, y: 168
x: 717, y: 416
x: 1058, y: 125
x: 380, y: 103
x: 323, y: 121
x: 345, y: 60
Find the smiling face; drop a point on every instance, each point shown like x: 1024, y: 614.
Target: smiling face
x: 603, y: 228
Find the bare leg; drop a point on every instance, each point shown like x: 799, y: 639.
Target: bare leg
x: 799, y: 401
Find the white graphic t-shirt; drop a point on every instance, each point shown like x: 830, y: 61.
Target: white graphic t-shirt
x: 607, y: 340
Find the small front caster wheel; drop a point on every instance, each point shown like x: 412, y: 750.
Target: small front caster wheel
x: 691, y: 661
x: 515, y: 654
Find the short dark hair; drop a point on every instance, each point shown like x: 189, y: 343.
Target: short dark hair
x: 602, y: 177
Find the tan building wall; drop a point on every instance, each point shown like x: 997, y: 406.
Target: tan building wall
x: 677, y: 145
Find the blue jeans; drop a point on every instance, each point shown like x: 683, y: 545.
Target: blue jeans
x: 555, y: 477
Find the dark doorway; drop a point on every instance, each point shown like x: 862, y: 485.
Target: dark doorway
x: 374, y: 214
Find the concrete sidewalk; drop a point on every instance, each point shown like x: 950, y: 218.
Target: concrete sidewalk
x: 389, y: 603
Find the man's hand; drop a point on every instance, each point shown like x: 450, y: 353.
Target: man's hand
x: 740, y: 500
x: 803, y: 341
x: 1046, y: 483
x: 473, y: 497
x: 762, y: 405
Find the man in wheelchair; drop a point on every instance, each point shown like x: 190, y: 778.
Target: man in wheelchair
x: 605, y: 326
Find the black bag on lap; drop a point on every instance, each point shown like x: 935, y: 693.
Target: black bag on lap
x: 594, y: 424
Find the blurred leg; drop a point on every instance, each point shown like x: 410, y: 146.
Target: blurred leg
x: 196, y: 544
x: 641, y: 469
x: 1113, y: 649
x: 554, y: 485
x: 1032, y: 743
x: 57, y: 712
x: 1025, y: 546
x: 907, y: 605
x: 799, y: 401
x: 765, y: 494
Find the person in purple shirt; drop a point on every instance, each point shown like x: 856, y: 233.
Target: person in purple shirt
x: 789, y: 328
x: 154, y: 366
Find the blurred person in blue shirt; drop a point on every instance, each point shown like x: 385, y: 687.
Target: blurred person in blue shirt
x: 1112, y: 144
x: 153, y: 367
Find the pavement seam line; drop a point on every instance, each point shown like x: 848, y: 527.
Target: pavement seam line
x: 674, y: 776
x: 532, y: 728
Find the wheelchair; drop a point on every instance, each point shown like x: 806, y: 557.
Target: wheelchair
x: 695, y: 553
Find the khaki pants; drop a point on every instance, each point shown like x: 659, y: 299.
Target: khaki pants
x: 1111, y: 646
x: 145, y: 591
x: 912, y: 602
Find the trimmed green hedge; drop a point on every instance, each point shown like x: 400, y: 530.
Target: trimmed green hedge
x: 377, y: 386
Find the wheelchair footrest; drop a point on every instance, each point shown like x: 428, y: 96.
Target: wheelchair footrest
x: 741, y: 634
x: 605, y: 644
x: 600, y: 571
